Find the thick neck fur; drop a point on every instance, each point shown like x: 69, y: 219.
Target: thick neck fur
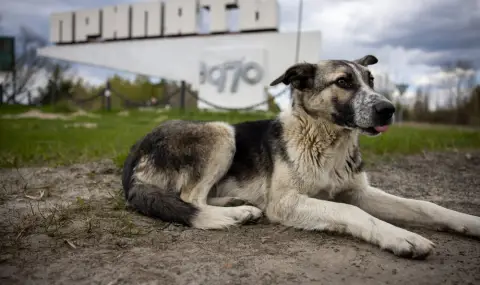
x: 316, y: 140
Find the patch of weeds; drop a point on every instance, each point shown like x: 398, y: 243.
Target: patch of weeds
x: 54, y: 220
x: 125, y: 227
x: 36, y: 219
x: 4, y: 193
x: 10, y: 160
x: 117, y: 200
x: 119, y: 160
x: 91, y: 225
x: 91, y: 175
x: 82, y: 205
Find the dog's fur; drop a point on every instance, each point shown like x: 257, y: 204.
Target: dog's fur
x: 302, y: 169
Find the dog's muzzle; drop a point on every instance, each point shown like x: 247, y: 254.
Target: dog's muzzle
x: 384, y: 111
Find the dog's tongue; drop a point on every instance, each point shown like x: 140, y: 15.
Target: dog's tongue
x: 381, y: 129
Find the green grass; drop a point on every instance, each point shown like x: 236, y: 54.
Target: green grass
x: 406, y: 139
x: 25, y: 142
x: 31, y: 142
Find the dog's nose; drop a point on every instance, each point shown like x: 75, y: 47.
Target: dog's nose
x: 384, y: 109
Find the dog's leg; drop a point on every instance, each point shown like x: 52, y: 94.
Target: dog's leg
x: 410, y: 211
x: 210, y: 216
x: 218, y: 217
x: 303, y: 212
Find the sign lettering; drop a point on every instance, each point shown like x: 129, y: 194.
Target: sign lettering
x: 160, y: 19
x: 217, y: 75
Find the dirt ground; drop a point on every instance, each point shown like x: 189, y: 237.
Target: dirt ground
x: 69, y: 226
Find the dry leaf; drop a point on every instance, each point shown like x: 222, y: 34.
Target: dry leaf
x: 42, y: 193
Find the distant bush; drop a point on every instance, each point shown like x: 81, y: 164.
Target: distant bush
x: 466, y: 112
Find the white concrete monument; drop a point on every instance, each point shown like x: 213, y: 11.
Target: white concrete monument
x: 165, y: 39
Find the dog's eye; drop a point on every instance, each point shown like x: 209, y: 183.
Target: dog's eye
x: 344, y: 82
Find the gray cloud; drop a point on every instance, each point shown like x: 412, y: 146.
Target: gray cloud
x: 448, y: 56
x: 448, y: 29
x: 410, y: 37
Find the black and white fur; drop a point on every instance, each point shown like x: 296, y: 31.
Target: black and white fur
x: 302, y: 169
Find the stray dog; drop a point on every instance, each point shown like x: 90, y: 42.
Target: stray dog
x: 302, y: 169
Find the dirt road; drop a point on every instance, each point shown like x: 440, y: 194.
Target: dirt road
x: 68, y: 226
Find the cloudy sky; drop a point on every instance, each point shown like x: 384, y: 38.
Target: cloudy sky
x: 411, y: 38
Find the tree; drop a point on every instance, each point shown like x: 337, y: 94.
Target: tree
x: 58, y: 87
x: 28, y: 65
x: 459, y: 80
x: 421, y: 105
x: 473, y: 107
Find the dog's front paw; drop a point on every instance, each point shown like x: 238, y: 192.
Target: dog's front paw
x: 467, y: 225
x: 407, y: 244
x: 243, y: 214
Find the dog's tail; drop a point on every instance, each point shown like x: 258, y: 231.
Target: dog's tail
x: 152, y: 201
x: 164, y: 205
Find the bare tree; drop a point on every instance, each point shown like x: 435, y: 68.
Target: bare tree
x: 28, y: 64
x: 459, y: 81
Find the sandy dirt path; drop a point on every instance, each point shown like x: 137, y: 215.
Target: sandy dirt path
x: 68, y: 226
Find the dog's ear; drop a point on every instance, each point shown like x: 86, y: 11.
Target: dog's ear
x: 301, y: 76
x: 366, y: 60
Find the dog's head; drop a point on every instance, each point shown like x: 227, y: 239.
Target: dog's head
x: 340, y: 91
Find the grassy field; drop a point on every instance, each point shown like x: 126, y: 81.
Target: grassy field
x: 29, y: 142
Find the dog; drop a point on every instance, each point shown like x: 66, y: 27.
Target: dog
x: 302, y: 169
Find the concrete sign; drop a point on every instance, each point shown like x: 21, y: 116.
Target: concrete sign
x: 163, y: 39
